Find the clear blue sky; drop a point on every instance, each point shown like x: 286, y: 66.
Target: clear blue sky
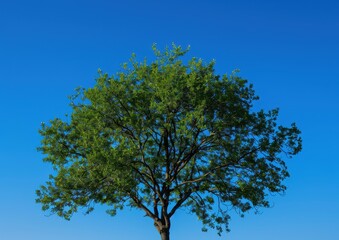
x: 288, y: 49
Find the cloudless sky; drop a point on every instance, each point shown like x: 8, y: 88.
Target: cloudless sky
x: 288, y: 49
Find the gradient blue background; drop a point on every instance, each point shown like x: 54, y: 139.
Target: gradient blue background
x: 289, y: 50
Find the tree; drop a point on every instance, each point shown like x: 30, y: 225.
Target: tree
x: 164, y: 136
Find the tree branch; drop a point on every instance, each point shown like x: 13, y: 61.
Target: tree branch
x: 180, y: 202
x: 143, y: 207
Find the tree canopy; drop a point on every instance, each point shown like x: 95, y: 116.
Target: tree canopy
x: 166, y: 135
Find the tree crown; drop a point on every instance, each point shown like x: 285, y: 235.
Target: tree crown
x: 166, y: 135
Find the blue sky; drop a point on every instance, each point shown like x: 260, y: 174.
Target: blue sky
x: 288, y: 49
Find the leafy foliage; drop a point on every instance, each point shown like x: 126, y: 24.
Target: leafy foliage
x: 164, y: 136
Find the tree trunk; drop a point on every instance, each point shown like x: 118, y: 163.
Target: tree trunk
x: 165, y: 234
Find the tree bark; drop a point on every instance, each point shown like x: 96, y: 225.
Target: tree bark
x: 163, y: 229
x: 165, y: 234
